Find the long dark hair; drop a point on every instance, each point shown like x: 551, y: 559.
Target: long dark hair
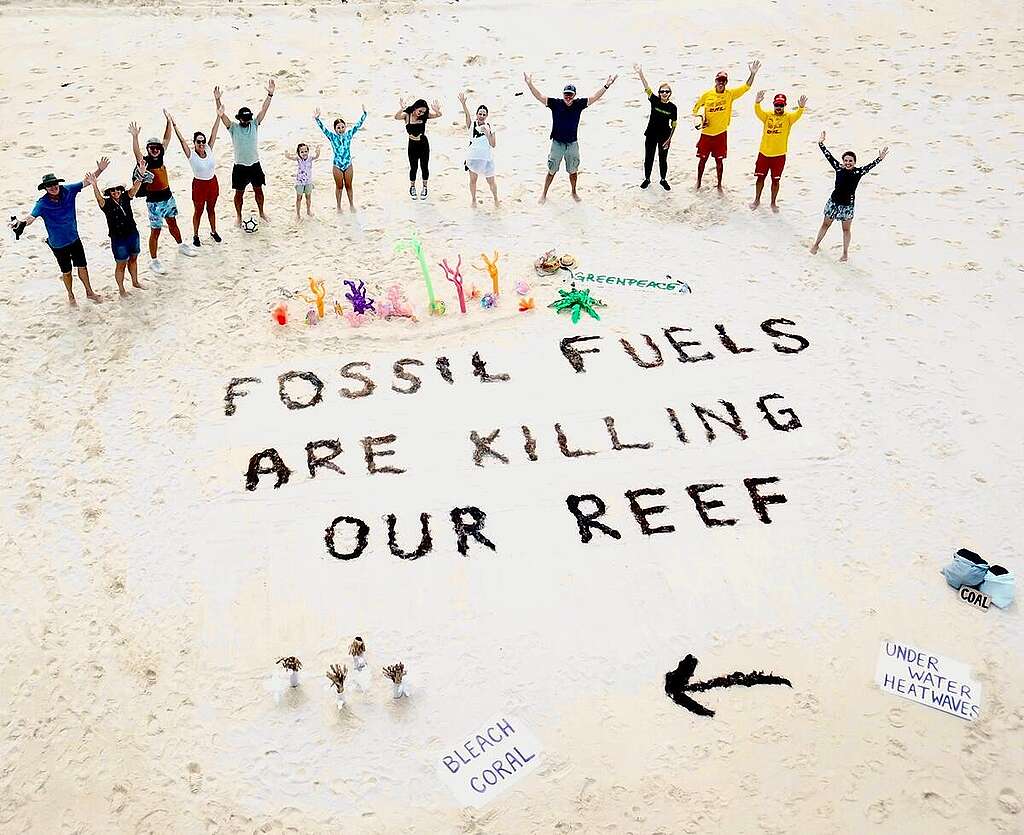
x: 417, y: 104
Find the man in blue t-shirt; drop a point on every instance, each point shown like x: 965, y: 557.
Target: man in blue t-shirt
x: 565, y: 122
x: 57, y: 209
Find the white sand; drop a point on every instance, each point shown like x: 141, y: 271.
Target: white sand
x: 146, y: 595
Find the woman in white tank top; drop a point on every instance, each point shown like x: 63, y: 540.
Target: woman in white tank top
x: 480, y: 156
x: 205, y: 188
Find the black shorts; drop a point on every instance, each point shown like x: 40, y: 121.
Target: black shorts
x: 73, y: 253
x: 247, y: 175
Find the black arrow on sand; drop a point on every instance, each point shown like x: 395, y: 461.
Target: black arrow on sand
x: 677, y: 684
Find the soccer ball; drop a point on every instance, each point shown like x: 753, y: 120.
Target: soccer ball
x: 251, y: 224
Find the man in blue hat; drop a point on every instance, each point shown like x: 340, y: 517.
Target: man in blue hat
x: 57, y: 209
x: 565, y: 122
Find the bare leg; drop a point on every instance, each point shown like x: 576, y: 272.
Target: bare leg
x: 572, y: 185
x: 258, y: 192
x: 212, y: 217
x: 494, y: 189
x: 825, y: 224
x: 339, y: 185
x: 700, y: 170
x: 83, y: 276
x: 719, y: 168
x: 758, y: 188
x: 119, y: 278
x: 847, y: 226
x: 154, y: 238
x: 238, y: 206
x: 172, y: 227
x: 66, y: 278
x: 197, y: 215
x: 309, y: 205
x: 775, y: 193
x: 298, y: 205
x: 472, y: 188
x: 349, y: 173
x: 133, y: 271
x: 547, y: 184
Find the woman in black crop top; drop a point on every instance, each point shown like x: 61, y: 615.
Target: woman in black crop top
x: 840, y: 203
x: 415, y: 117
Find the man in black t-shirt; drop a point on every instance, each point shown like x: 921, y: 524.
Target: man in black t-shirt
x: 565, y: 122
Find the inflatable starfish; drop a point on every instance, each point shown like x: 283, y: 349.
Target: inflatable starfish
x: 577, y: 301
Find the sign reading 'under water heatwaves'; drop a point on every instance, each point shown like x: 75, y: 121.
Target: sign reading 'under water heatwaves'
x: 928, y: 679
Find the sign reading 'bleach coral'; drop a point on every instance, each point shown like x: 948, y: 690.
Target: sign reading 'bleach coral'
x: 928, y: 679
x: 488, y: 762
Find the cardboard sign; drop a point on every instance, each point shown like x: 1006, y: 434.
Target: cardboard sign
x: 486, y: 763
x: 928, y: 679
x: 974, y: 597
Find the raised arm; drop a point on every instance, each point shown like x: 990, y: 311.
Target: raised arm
x: 177, y: 132
x: 167, y: 129
x: 266, y: 102
x: 536, y: 93
x: 138, y: 183
x: 758, y: 110
x: 643, y: 79
x: 801, y: 103
x: 134, y: 128
x: 831, y: 159
x: 91, y: 180
x: 212, y: 138
x: 400, y: 113
x: 320, y: 124
x: 317, y: 153
x: 875, y: 161
x: 435, y: 110
x: 465, y: 110
x: 101, y: 166
x: 220, y: 108
x: 603, y: 90
x: 753, y: 66
x: 359, y: 122
x: 290, y: 155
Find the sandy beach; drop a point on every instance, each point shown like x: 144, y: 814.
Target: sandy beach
x: 147, y: 592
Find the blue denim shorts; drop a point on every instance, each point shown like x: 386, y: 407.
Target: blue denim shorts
x: 124, y: 248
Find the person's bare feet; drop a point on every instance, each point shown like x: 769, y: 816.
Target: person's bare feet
x: 72, y: 301
x: 122, y: 292
x: 543, y: 199
x: 309, y: 213
x: 497, y: 204
x: 775, y: 208
x: 138, y: 286
x: 94, y: 298
x: 844, y: 257
x: 238, y: 223
x: 755, y: 204
x: 264, y: 218
x: 814, y: 249
x: 720, y: 190
x: 576, y: 197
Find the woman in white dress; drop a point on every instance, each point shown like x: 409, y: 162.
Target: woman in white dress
x: 480, y: 156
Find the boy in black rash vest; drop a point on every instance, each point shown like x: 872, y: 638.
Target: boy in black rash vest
x: 159, y: 199
x: 660, y: 128
x: 840, y: 203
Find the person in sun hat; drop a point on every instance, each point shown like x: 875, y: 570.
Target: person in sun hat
x: 115, y: 203
x: 57, y: 209
x: 245, y: 139
x: 771, y: 157
x: 160, y: 202
x: 717, y: 105
x: 565, y: 122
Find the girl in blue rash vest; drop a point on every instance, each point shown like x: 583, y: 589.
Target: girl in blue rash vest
x: 341, y: 142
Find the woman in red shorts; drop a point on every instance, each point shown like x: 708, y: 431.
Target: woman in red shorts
x: 205, y: 188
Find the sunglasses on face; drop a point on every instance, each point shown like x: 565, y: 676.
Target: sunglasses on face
x: 200, y: 142
x: 664, y: 92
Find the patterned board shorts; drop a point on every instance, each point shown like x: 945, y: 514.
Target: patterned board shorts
x: 161, y: 209
x: 838, y: 212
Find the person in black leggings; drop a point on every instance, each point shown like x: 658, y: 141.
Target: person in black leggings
x: 660, y: 128
x: 415, y: 117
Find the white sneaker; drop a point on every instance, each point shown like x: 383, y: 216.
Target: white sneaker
x: 187, y: 249
x: 156, y: 267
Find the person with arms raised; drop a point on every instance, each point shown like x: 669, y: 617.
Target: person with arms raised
x: 717, y: 106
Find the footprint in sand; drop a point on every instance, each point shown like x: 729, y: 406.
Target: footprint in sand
x: 879, y: 811
x: 194, y: 777
x: 1009, y: 801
